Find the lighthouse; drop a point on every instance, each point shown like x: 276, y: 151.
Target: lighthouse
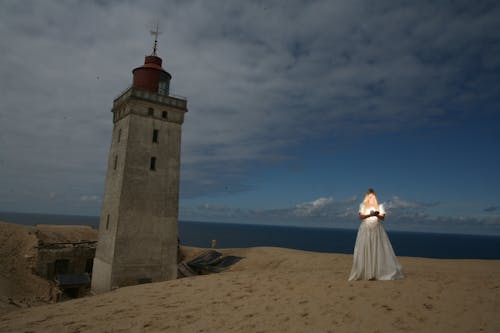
x: 138, y: 225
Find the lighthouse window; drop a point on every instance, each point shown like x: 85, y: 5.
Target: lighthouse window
x: 119, y: 134
x: 162, y: 88
x: 107, y: 222
x: 116, y: 162
x: 163, y: 85
x: 150, y: 112
x: 164, y: 114
x: 155, y: 135
x: 152, y: 165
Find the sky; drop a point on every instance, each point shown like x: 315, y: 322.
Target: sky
x: 295, y: 107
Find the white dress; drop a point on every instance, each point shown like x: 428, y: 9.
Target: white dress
x: 374, y: 257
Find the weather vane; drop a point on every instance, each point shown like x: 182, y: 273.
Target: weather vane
x: 155, y: 32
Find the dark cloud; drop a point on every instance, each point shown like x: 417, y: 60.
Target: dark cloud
x: 336, y: 68
x: 491, y: 209
x: 260, y: 80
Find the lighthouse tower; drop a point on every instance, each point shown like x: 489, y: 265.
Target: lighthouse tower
x: 139, y: 216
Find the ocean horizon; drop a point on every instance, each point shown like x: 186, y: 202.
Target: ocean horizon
x: 316, y: 239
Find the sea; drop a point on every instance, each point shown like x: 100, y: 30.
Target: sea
x: 330, y: 240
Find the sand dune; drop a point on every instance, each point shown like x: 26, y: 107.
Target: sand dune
x: 19, y: 287
x: 282, y: 290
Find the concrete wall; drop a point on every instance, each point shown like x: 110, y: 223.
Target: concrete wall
x: 140, y: 241
x: 101, y: 276
x: 108, y: 221
x: 77, y: 256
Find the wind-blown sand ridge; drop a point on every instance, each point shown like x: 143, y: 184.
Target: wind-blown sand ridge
x: 283, y: 290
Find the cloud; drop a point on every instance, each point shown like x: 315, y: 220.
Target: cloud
x: 260, y: 81
x: 328, y: 212
x: 396, y: 203
x: 321, y: 208
x: 491, y: 209
x: 313, y: 208
x: 324, y: 207
x: 91, y: 198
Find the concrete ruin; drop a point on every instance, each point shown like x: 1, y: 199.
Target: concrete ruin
x: 65, y: 255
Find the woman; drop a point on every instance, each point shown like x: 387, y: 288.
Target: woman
x: 374, y: 258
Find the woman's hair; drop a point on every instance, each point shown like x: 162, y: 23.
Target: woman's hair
x: 370, y: 191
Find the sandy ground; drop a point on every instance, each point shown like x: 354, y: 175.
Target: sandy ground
x: 19, y: 287
x: 282, y: 290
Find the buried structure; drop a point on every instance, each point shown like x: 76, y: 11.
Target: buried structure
x: 65, y: 256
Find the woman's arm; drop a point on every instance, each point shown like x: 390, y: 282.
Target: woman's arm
x: 363, y: 216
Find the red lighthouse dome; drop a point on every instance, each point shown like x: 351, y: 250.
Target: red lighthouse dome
x: 151, y: 76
